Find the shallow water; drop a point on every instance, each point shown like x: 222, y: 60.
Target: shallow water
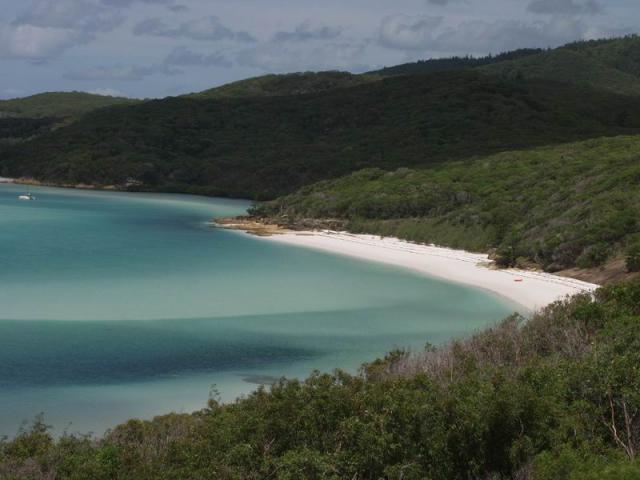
x: 117, y: 305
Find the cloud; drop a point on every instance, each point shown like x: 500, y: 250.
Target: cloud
x: 408, y: 33
x: 183, y: 57
x: 565, y: 7
x: 205, y: 29
x: 49, y: 28
x: 306, y: 32
x: 429, y: 34
x: 36, y: 43
x: 80, y: 15
x: 178, y: 8
x: 121, y: 73
x: 445, y: 2
x: 178, y: 57
x: 284, y: 57
x: 128, y: 3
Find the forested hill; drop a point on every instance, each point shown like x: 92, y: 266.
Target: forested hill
x: 28, y: 117
x: 288, y: 84
x: 556, y: 207
x: 609, y: 64
x: 58, y: 104
x: 434, y: 65
x: 265, y: 147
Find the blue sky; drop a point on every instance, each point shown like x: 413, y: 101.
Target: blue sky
x: 155, y: 48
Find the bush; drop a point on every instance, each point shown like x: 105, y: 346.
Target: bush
x: 593, y: 256
x: 633, y: 258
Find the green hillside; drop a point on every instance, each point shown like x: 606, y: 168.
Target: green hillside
x: 561, y: 206
x: 23, y: 119
x: 266, y: 147
x: 284, y: 85
x: 453, y: 63
x: 58, y: 104
x: 608, y: 64
x: 554, y: 398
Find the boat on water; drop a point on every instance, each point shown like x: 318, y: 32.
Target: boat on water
x: 26, y: 196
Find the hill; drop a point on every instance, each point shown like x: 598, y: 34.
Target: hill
x: 58, y: 105
x: 26, y: 118
x: 434, y: 65
x: 552, y: 398
x: 608, y: 64
x: 611, y: 64
x: 265, y: 147
x: 557, y: 207
x: 285, y: 85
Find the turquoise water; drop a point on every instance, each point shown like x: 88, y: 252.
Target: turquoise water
x: 117, y: 305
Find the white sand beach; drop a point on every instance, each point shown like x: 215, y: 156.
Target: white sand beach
x: 6, y: 180
x: 531, y: 290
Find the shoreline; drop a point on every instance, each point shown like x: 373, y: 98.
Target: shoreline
x: 531, y: 290
x: 78, y: 186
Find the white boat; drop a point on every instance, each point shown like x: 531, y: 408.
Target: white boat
x: 26, y: 196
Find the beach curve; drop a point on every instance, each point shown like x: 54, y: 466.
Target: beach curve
x: 531, y: 290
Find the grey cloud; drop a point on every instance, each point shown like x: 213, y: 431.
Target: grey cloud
x: 121, y: 73
x: 80, y: 15
x: 565, y: 7
x: 36, y: 44
x: 178, y: 8
x: 306, y: 32
x: 178, y: 57
x: 283, y: 57
x: 478, y: 36
x: 408, y: 33
x: 49, y: 28
x: 206, y: 29
x: 444, y: 2
x: 183, y: 57
x: 128, y: 3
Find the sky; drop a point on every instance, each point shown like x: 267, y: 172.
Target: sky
x: 157, y: 48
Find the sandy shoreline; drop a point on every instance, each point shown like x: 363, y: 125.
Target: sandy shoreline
x: 531, y: 290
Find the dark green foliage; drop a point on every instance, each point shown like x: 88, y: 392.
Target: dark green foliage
x: 454, y: 63
x: 633, y: 257
x: 58, y: 104
x: 557, y: 206
x: 608, y: 64
x: 286, y: 85
x: 24, y: 128
x: 264, y: 147
x: 523, y: 400
x: 25, y: 118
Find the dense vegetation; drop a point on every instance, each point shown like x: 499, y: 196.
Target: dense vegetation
x: 553, y: 398
x: 13, y: 128
x: 555, y: 206
x: 285, y: 85
x: 58, y: 104
x: 29, y: 117
x: 608, y: 64
x: 265, y: 147
x: 434, y: 65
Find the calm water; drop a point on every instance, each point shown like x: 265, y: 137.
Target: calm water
x: 119, y: 305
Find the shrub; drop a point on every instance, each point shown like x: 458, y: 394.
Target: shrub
x: 593, y: 256
x: 633, y: 258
